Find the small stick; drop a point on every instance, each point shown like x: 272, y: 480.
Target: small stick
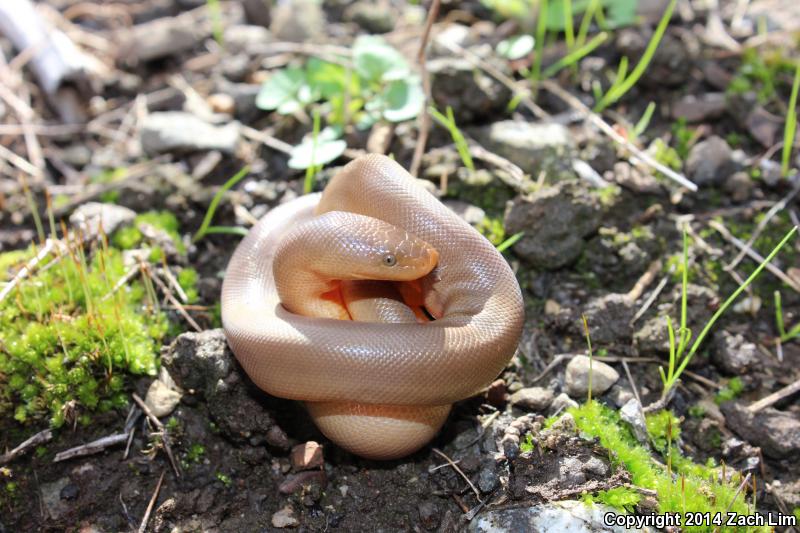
x: 150, y: 505
x: 554, y: 363
x: 35, y: 440
x: 424, y: 118
x: 736, y: 495
x: 174, y: 301
x: 752, y: 254
x: 91, y: 448
x: 266, y: 139
x: 595, y: 119
x: 457, y: 469
x: 644, y: 281
x: 122, y: 281
x: 162, y: 428
x: 28, y: 268
x: 776, y: 396
x: 630, y: 380
x: 174, y: 282
x: 774, y: 210
x: 650, y: 299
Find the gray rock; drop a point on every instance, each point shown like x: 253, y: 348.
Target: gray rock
x: 161, y: 399
x: 634, y: 179
x: 710, y: 161
x: 576, y: 377
x: 764, y: 126
x: 533, y: 146
x: 297, y: 20
x: 697, y: 109
x: 739, y: 186
x: 175, y: 131
x: 570, y: 516
x: 202, y: 364
x: 555, y: 220
x: 631, y: 413
x: 244, y: 99
x: 733, y: 354
x: 619, y: 395
x: 374, y: 16
x: 284, y: 518
x: 51, y: 497
x: 487, y: 477
x: 471, y: 214
x: 609, y: 318
x: 428, y: 515
x: 532, y: 398
x: 561, y: 403
x: 91, y: 216
x: 776, y: 432
x: 471, y: 93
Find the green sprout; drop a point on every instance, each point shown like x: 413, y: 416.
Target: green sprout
x: 784, y: 335
x: 625, y: 82
x: 575, y: 55
x: 449, y: 122
x: 511, y: 241
x: 679, y: 358
x: 541, y: 32
x: 206, y: 227
x: 791, y: 124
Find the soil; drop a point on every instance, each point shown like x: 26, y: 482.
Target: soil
x: 583, y: 250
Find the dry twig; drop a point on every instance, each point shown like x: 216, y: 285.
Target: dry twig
x: 91, y: 448
x: 775, y: 397
x: 35, y: 440
x: 146, y: 517
x: 424, y: 119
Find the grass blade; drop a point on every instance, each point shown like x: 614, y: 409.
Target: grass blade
x: 791, y: 124
x: 212, y: 207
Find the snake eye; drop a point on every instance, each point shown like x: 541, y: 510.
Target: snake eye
x: 389, y: 260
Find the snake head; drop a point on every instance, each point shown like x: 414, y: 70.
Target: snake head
x: 391, y: 253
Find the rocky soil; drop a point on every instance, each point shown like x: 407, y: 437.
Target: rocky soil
x: 173, y: 103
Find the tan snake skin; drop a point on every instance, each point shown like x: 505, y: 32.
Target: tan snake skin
x: 380, y: 385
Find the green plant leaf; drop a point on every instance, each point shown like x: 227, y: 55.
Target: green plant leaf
x: 328, y: 148
x: 516, y: 47
x: 280, y: 91
x: 375, y: 60
x: 403, y: 99
x: 327, y: 79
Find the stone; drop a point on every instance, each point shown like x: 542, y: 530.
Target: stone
x: 634, y: 179
x: 710, y: 161
x: 555, y: 220
x: 533, y: 146
x: 176, y: 131
x: 777, y: 433
x: 92, y: 216
x: 297, y: 20
x: 561, y: 403
x: 569, y: 515
x: 696, y: 109
x: 428, y: 515
x: 653, y: 337
x: 471, y: 93
x: 609, y: 318
x: 576, y: 377
x: 532, y: 398
x: 51, y: 497
x: 307, y: 456
x: 739, y: 186
x: 284, y: 518
x: 202, y: 364
x: 619, y: 395
x: 452, y: 34
x: 487, y: 477
x: 161, y: 399
x: 764, y: 126
x: 732, y: 354
x: 376, y: 16
x: 631, y: 413
x: 471, y: 214
x: 221, y: 103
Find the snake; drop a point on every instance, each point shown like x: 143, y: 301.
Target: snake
x: 374, y: 304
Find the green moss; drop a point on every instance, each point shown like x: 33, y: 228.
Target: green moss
x: 187, y: 279
x: 224, y: 478
x: 622, y: 499
x: 131, y: 237
x: 492, y: 228
x: 526, y: 446
x: 66, y: 345
x: 760, y: 72
x: 730, y: 391
x: 127, y: 238
x: 682, y: 485
x: 663, y: 428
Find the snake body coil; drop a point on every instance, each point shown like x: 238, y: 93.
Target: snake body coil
x: 381, y: 383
